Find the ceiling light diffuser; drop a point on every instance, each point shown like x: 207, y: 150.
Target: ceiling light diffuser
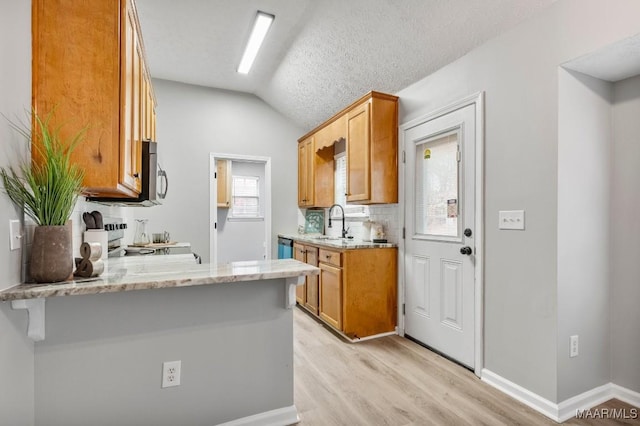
x: 258, y: 33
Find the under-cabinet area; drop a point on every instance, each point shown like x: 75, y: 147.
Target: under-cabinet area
x: 369, y: 128
x: 356, y: 292
x: 100, y: 82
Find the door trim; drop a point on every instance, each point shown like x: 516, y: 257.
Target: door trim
x: 477, y: 99
x: 213, y: 200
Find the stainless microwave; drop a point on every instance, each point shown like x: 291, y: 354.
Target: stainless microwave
x: 154, y: 181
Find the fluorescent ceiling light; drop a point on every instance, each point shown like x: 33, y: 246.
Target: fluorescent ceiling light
x: 258, y: 33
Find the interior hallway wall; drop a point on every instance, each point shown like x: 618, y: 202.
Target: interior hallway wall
x: 584, y: 187
x: 16, y: 350
x: 195, y: 121
x: 625, y: 228
x: 518, y: 71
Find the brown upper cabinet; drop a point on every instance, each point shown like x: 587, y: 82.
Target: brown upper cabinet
x: 305, y: 173
x: 370, y: 128
x: 372, y: 150
x: 89, y: 68
x: 315, y: 175
x: 223, y: 176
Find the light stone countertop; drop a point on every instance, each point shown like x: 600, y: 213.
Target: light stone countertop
x: 161, y: 271
x: 336, y: 242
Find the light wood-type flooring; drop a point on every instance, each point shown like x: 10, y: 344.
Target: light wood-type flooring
x: 394, y: 381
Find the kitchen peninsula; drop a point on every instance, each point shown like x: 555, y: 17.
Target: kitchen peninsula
x: 102, y: 354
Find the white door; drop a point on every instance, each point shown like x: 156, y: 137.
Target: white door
x: 439, y: 221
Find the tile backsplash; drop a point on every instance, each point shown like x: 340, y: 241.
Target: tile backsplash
x: 389, y: 216
x: 386, y: 214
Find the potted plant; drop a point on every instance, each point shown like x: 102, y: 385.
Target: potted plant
x: 47, y: 189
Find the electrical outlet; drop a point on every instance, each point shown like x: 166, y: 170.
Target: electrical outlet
x: 171, y: 373
x: 573, y: 346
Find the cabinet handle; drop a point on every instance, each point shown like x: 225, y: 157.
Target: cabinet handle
x: 136, y: 175
x: 328, y: 256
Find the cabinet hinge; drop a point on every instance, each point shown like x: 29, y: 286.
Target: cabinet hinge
x: 404, y: 157
x: 215, y: 175
x: 215, y: 225
x: 404, y: 232
x: 403, y: 309
x: 458, y: 156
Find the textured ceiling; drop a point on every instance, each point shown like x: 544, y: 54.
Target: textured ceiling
x: 320, y: 55
x: 612, y: 63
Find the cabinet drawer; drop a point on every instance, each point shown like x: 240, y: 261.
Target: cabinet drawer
x: 330, y: 257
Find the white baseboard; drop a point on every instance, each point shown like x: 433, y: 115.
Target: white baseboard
x: 523, y: 395
x: 278, y: 417
x: 626, y: 395
x: 375, y: 336
x: 566, y: 409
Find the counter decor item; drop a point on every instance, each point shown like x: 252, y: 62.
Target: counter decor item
x: 141, y: 237
x: 314, y: 222
x: 90, y: 264
x: 47, y: 189
x: 95, y: 232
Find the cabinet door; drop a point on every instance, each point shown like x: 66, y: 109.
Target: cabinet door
x: 302, y: 174
x: 138, y: 117
x: 131, y: 84
x: 223, y: 173
x: 306, y: 173
x: 312, y: 302
x: 299, y: 253
x: 310, y: 180
x: 331, y: 295
x: 358, y: 153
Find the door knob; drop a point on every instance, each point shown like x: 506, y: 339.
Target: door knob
x: 466, y: 250
x: 467, y: 232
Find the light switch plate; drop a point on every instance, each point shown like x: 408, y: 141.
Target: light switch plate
x: 15, y: 235
x: 511, y: 219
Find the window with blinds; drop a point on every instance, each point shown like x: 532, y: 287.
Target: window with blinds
x: 245, y: 196
x: 340, y: 191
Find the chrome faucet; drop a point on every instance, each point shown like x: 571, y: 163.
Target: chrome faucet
x: 344, y: 231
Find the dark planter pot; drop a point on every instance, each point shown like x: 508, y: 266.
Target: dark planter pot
x: 51, y: 254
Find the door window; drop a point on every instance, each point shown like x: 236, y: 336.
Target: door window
x: 437, y: 196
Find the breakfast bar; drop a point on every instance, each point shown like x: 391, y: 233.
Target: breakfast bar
x: 107, y: 338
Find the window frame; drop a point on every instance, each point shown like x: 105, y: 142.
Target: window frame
x: 232, y: 210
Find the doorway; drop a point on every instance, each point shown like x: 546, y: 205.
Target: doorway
x: 443, y: 227
x: 240, y: 228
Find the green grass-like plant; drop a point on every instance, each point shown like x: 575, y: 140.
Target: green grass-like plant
x: 46, y: 189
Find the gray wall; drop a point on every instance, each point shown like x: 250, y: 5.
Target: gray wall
x: 243, y: 239
x: 519, y: 73
x: 625, y: 228
x: 195, y: 121
x: 584, y: 187
x: 101, y: 361
x: 16, y: 351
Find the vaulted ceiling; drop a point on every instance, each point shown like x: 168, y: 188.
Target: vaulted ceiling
x: 319, y: 55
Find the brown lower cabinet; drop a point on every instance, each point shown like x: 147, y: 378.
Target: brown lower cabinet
x: 357, y: 289
x: 331, y: 295
x: 307, y: 294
